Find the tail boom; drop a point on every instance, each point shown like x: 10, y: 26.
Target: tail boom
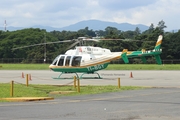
x: 143, y: 54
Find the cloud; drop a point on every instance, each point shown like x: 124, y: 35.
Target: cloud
x: 162, y: 10
x: 60, y: 13
x: 124, y: 4
x: 150, y: 13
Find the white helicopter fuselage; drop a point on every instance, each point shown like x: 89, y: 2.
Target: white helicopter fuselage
x: 88, y: 58
x: 93, y: 55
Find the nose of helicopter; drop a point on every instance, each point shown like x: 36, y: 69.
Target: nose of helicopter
x: 51, y: 66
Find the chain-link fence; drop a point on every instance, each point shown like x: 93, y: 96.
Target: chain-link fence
x: 22, y: 60
x: 149, y: 61
x: 119, y: 61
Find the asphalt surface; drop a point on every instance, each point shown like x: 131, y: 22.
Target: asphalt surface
x: 148, y: 104
x: 155, y: 78
x: 160, y: 102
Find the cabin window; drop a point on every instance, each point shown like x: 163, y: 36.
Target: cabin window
x: 55, y: 60
x: 76, y: 60
x: 61, y: 61
x: 68, y: 58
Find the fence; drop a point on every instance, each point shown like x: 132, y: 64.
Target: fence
x: 22, y: 60
x: 120, y: 61
x: 138, y: 61
x: 17, y: 89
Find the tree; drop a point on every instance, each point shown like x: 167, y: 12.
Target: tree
x: 161, y: 25
x: 25, y: 37
x: 112, y: 32
x: 86, y: 32
x: 151, y: 28
x: 137, y: 31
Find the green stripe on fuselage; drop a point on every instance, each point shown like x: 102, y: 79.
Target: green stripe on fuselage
x: 88, y: 69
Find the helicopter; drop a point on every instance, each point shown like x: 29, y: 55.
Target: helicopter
x: 90, y: 59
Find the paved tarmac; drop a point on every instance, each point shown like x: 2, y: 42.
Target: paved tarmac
x: 152, y: 78
x: 147, y: 104
x: 161, y: 102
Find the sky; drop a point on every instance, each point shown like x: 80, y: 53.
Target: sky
x: 61, y: 13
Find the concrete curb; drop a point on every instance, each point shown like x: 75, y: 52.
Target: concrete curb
x: 23, y: 99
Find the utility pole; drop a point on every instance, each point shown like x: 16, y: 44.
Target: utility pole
x: 44, y: 47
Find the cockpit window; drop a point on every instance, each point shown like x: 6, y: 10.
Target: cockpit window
x: 55, y: 60
x: 68, y: 58
x: 76, y: 61
x: 61, y: 61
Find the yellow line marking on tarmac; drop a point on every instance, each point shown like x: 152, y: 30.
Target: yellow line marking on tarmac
x: 21, y: 99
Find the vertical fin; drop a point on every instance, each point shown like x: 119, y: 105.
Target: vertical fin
x: 157, y: 48
x: 158, y: 43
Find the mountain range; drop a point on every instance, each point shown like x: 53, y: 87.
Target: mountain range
x: 91, y: 24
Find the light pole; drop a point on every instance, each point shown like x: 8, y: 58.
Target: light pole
x: 44, y: 47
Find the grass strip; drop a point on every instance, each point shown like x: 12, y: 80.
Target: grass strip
x: 20, y: 90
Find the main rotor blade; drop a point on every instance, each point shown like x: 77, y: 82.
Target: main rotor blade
x: 96, y: 40
x: 41, y: 44
x: 59, y: 42
x: 72, y: 45
x: 130, y: 40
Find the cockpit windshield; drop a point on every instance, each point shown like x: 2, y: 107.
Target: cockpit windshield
x: 61, y: 61
x: 55, y: 60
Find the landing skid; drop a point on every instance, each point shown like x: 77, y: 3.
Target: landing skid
x: 98, y: 76
x: 77, y: 76
x: 59, y: 77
